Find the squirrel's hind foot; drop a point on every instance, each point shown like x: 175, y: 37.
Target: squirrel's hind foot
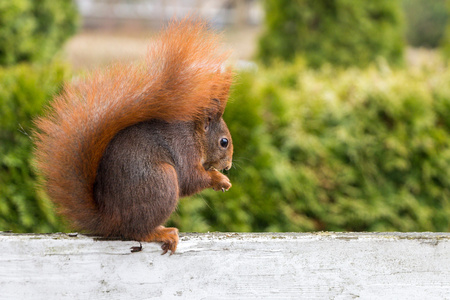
x: 168, y: 236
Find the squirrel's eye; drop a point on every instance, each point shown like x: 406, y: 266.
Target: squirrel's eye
x: 224, y: 142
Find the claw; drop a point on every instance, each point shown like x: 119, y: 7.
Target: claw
x: 165, y: 248
x: 136, y: 248
x: 168, y: 246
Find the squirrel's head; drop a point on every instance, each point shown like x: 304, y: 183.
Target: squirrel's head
x: 218, y: 144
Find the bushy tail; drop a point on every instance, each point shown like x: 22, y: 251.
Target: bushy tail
x: 184, y: 70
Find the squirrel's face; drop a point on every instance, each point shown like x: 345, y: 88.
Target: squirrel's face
x: 218, y: 144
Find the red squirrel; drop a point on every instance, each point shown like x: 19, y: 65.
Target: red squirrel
x: 119, y: 148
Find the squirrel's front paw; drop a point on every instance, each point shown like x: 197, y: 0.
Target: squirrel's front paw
x: 220, y: 182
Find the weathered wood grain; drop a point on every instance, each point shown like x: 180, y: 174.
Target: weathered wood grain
x: 228, y: 266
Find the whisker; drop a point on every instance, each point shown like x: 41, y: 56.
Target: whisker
x: 241, y: 158
x: 236, y: 166
x: 203, y: 198
x: 22, y: 130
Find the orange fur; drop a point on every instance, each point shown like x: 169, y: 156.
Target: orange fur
x: 183, y: 71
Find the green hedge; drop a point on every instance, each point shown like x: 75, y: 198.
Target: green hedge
x: 446, y: 44
x: 425, y: 22
x: 24, y: 91
x: 339, y: 32
x: 359, y: 150
x: 446, y: 39
x: 34, y: 30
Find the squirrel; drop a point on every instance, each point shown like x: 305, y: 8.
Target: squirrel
x: 117, y: 149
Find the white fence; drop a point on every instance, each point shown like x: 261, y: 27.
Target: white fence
x: 228, y: 266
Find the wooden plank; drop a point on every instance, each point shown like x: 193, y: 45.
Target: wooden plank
x: 228, y: 266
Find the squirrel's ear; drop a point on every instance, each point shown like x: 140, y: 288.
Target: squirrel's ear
x: 212, y: 113
x: 215, y: 111
x: 207, y: 123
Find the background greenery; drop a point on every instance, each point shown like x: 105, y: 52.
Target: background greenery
x: 446, y: 39
x: 340, y: 32
x: 31, y: 34
x: 426, y: 21
x: 32, y: 30
x: 361, y: 141
x: 24, y: 91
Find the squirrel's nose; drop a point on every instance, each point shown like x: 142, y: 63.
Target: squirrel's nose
x: 228, y: 167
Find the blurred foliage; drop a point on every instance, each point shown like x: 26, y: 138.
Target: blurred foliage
x: 340, y: 32
x: 24, y: 91
x: 32, y: 30
x: 446, y: 39
x: 425, y: 22
x: 358, y: 150
x: 446, y: 44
